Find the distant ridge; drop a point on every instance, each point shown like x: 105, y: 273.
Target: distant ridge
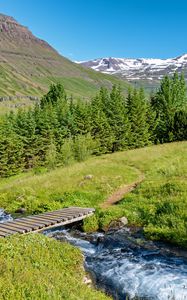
x: 28, y: 65
x: 145, y: 71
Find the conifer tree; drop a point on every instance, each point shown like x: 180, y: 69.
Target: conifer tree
x: 137, y: 112
x: 100, y: 127
x: 82, y: 118
x: 25, y: 127
x: 11, y: 151
x: 180, y: 125
x: 169, y: 99
x: 55, y: 93
x: 114, y: 108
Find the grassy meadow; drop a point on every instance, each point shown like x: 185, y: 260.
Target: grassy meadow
x: 159, y: 204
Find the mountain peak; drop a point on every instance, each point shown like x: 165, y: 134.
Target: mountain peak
x: 5, y: 18
x: 14, y: 35
x: 10, y: 28
x: 182, y: 57
x: 143, y: 70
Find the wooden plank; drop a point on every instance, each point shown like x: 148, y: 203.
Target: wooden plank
x: 51, y: 216
x: 62, y: 217
x: 30, y: 221
x: 60, y: 214
x: 27, y: 221
x: 39, y: 217
x: 32, y: 225
x: 55, y: 218
x: 7, y: 227
x: 38, y: 222
x: 45, y: 222
x: 65, y: 222
x: 4, y: 233
x: 20, y: 226
x: 7, y: 231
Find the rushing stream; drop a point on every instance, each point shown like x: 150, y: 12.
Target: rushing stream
x: 127, y: 266
x: 4, y: 217
x: 123, y: 264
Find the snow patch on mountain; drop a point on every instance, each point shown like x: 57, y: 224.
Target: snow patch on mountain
x: 137, y: 69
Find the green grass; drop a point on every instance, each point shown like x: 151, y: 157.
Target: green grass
x: 159, y: 204
x: 36, y: 267
x: 29, y: 71
x: 13, y: 105
x: 83, y: 88
x: 66, y: 186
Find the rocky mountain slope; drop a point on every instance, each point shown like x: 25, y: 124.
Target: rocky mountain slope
x: 147, y: 72
x: 28, y: 65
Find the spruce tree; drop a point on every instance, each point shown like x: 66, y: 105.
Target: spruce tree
x: 11, y: 151
x: 170, y: 98
x: 82, y: 118
x: 180, y: 125
x: 55, y: 93
x: 115, y: 110
x: 100, y: 127
x: 137, y: 112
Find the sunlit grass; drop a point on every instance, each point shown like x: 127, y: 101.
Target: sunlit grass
x: 36, y: 267
x: 159, y: 204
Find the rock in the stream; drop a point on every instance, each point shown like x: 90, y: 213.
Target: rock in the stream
x: 117, y: 224
x: 123, y: 220
x: 89, y: 177
x: 87, y: 280
x: 21, y: 210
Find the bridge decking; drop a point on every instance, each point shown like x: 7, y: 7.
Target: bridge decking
x: 44, y: 221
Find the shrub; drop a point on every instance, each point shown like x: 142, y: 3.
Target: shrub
x: 91, y: 224
x: 83, y: 147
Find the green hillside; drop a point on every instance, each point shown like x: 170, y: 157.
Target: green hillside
x: 77, y: 80
x: 29, y: 65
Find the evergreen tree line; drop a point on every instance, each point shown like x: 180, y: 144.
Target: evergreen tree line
x: 61, y: 130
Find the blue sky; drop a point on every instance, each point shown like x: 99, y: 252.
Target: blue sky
x: 87, y: 29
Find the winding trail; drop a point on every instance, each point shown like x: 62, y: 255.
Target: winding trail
x: 120, y: 193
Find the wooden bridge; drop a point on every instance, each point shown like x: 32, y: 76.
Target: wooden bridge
x: 45, y: 221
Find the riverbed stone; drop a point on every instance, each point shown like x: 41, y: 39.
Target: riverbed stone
x: 87, y: 280
x: 88, y: 177
x: 21, y: 210
x: 124, y: 220
x: 117, y: 224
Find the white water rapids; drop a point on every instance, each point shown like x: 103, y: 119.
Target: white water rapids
x: 4, y: 217
x: 123, y: 266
